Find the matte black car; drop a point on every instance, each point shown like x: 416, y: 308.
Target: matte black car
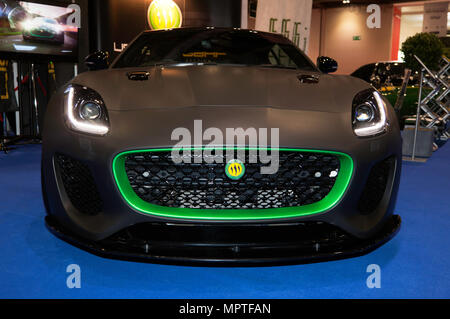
x: 111, y: 183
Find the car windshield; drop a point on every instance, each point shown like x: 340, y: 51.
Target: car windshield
x: 44, y: 20
x: 213, y: 46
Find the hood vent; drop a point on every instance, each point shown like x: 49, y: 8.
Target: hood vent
x: 308, y: 78
x: 138, y: 76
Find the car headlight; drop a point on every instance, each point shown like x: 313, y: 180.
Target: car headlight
x: 85, y: 110
x: 369, y: 114
x: 27, y: 25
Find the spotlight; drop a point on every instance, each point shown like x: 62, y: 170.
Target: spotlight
x: 345, y: 1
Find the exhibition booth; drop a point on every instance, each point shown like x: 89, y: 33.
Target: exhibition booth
x: 193, y: 149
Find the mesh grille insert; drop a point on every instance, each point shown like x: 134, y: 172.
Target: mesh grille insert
x: 303, y: 178
x: 79, y: 185
x: 376, y: 185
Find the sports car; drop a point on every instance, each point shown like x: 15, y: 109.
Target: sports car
x: 383, y: 74
x: 43, y: 29
x: 220, y: 146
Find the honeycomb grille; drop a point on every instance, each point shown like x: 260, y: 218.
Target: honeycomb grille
x: 302, y: 178
x: 79, y: 185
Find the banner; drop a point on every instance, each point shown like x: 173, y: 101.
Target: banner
x: 291, y: 18
x: 435, y: 18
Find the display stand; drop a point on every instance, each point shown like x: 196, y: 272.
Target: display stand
x: 28, y: 84
x: 3, y: 139
x: 27, y: 125
x: 7, y: 97
x: 432, y: 110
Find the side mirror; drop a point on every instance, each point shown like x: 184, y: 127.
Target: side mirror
x: 326, y: 64
x: 97, y: 61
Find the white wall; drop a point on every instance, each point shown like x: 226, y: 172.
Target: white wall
x: 335, y: 37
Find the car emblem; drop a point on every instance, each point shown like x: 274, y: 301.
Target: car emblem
x: 235, y: 169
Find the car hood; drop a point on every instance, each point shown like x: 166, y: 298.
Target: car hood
x: 222, y: 86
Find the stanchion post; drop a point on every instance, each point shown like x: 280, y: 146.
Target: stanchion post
x: 35, y: 102
x: 16, y: 93
x: 419, y: 103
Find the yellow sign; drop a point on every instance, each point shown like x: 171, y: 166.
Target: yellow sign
x: 164, y: 14
x: 4, y: 70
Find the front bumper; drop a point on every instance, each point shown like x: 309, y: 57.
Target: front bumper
x: 94, y: 232
x: 256, y: 245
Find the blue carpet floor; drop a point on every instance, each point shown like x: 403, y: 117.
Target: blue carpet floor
x: 415, y: 264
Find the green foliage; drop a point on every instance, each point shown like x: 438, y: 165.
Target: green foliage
x: 447, y: 52
x: 427, y: 47
x: 446, y: 42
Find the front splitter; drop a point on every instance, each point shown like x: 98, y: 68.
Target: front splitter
x: 235, y: 254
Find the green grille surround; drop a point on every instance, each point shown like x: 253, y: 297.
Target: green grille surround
x: 334, y: 196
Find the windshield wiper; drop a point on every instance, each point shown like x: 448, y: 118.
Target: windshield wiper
x: 159, y: 63
x: 179, y: 63
x: 276, y: 66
